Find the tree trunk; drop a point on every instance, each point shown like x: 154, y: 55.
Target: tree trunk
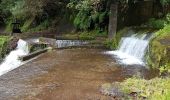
x: 113, y: 20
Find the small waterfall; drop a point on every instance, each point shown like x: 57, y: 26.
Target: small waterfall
x: 69, y: 43
x: 132, y: 49
x: 12, y: 60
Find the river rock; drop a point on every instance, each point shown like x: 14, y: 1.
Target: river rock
x: 12, y: 44
x: 51, y: 42
x: 109, y: 89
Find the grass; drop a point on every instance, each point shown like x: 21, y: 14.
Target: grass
x: 3, y: 45
x: 85, y: 35
x: 154, y: 89
x: 139, y: 89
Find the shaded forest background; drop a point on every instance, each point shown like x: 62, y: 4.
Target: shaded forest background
x: 81, y: 15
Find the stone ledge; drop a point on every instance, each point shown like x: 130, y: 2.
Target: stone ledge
x: 34, y: 54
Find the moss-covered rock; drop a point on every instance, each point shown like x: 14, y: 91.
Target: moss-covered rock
x: 159, y: 51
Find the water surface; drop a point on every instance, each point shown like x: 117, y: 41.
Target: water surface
x: 68, y: 74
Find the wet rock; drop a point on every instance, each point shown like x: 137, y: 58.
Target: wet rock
x: 51, y: 42
x: 36, y: 46
x: 109, y: 89
x: 12, y: 44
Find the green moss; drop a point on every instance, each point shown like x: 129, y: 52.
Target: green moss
x: 114, y: 43
x: 159, y: 51
x: 3, y: 45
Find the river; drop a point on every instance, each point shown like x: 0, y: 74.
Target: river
x: 67, y: 74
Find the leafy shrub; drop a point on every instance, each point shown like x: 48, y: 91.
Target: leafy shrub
x: 82, y: 21
x: 164, y: 31
x: 86, y: 36
x: 164, y: 69
x: 110, y: 44
x: 89, y: 16
x: 157, y: 23
x: 43, y: 26
x: 168, y: 17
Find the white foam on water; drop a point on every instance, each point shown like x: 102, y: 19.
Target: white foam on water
x: 125, y: 58
x: 12, y: 60
x: 132, y: 50
x: 68, y: 43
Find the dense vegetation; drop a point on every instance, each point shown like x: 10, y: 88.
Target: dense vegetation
x: 91, y: 17
x: 47, y: 14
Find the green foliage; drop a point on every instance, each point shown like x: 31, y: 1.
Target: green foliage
x: 164, y: 2
x: 87, y: 36
x: 82, y: 21
x: 159, y: 56
x: 43, y: 26
x: 3, y: 45
x: 164, y: 31
x: 114, y: 43
x: 165, y: 69
x: 110, y: 44
x: 154, y: 89
x: 26, y: 10
x: 27, y: 25
x: 157, y: 23
x: 89, y: 16
x: 8, y: 25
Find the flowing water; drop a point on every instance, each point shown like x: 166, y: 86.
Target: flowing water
x: 132, y: 49
x: 69, y: 43
x: 71, y: 74
x: 12, y: 60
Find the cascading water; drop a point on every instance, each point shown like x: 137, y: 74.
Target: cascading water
x: 68, y: 43
x: 132, y: 49
x: 12, y: 60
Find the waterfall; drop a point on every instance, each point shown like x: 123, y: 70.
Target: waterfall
x: 132, y: 49
x: 69, y: 43
x: 12, y: 60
